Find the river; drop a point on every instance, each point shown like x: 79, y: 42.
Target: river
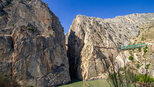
x: 93, y: 83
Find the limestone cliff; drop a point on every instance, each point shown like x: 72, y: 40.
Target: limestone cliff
x: 32, y: 44
x: 93, y: 43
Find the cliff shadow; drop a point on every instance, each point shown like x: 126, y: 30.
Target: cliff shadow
x: 75, y: 45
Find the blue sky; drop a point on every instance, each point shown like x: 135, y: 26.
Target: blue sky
x: 66, y: 10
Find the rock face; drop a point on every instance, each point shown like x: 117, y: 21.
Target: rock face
x: 32, y: 44
x: 4, y: 3
x: 93, y: 42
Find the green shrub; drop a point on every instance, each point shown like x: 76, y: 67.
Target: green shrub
x: 138, y: 33
x: 144, y: 78
x: 151, y: 79
x: 45, y: 4
x: 137, y: 77
x: 120, y: 35
x: 147, y: 66
x: 112, y: 76
x: 138, y: 66
x: 145, y: 49
x: 30, y: 28
x: 131, y: 58
x: 10, y: 5
x: 142, y: 39
x: 12, y: 24
x: 139, y: 49
x: 121, y: 69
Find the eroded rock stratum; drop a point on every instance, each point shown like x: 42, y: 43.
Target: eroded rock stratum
x: 93, y: 42
x: 32, y: 44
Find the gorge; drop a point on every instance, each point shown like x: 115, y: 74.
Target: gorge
x: 34, y: 51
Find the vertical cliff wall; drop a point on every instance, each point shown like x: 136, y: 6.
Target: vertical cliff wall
x: 32, y: 44
x: 93, y: 43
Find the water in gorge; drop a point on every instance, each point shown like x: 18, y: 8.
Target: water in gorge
x: 93, y: 83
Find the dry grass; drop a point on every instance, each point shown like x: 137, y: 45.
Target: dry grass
x: 150, y: 34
